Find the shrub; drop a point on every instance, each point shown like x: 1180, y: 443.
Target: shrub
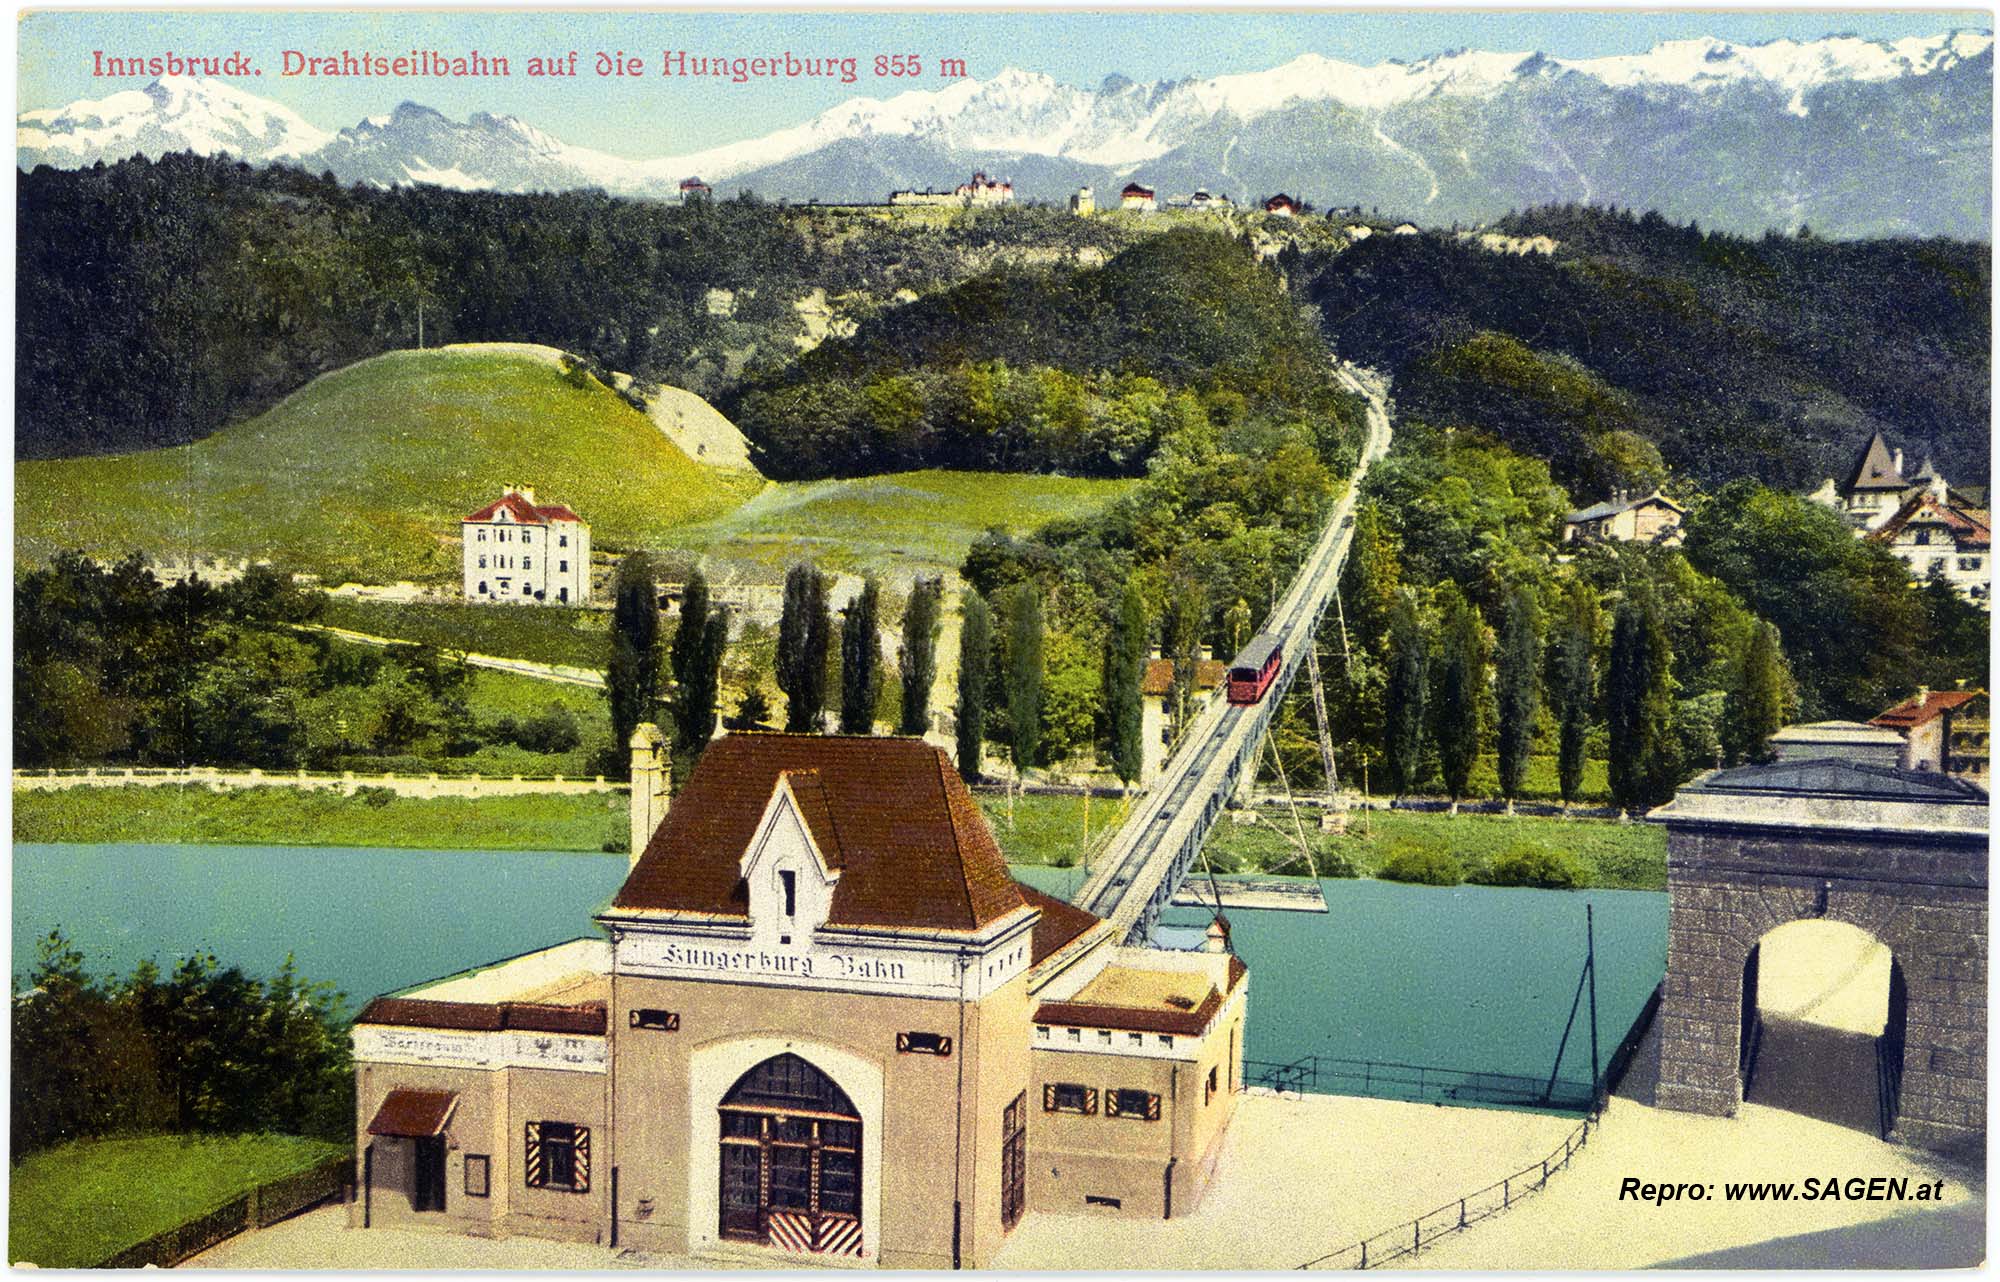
x: 1528, y: 864
x: 374, y: 797
x: 1421, y: 864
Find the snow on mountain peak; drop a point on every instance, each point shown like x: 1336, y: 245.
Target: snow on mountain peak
x: 172, y: 113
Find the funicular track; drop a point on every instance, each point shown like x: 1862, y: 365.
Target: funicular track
x: 1143, y: 865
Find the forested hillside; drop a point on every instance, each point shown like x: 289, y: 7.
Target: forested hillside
x: 159, y: 301
x: 1082, y: 370
x: 1639, y: 342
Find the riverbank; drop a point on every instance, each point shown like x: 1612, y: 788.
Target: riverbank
x: 1048, y: 830
x: 296, y: 817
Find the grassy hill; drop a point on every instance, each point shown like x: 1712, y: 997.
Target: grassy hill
x: 365, y: 472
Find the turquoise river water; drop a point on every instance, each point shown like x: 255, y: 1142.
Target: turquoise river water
x: 1469, y: 977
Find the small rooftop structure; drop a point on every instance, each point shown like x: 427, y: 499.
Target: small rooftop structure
x: 1843, y: 740
x: 1923, y: 707
x: 1831, y: 794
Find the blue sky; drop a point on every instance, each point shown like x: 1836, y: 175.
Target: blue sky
x: 655, y: 116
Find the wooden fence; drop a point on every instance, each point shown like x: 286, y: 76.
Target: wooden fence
x: 266, y: 1204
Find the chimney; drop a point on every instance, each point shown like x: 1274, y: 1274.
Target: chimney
x: 651, y: 777
x: 1896, y: 458
x: 1923, y: 697
x: 1154, y: 653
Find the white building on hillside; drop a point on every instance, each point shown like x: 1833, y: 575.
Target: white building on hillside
x: 519, y: 554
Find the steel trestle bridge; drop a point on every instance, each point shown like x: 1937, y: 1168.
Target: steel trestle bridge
x: 1144, y: 864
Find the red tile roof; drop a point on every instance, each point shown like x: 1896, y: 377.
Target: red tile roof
x: 1137, y: 189
x: 523, y: 511
x: 481, y: 1017
x: 1915, y: 711
x: 913, y: 849
x: 1159, y: 678
x: 410, y: 1114
x: 1060, y: 923
x: 1968, y: 527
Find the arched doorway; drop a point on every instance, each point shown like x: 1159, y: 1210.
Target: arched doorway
x: 1824, y: 1013
x: 791, y: 1159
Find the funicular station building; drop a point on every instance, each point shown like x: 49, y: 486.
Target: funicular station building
x: 824, y: 1020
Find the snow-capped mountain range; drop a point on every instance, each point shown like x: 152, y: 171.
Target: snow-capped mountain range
x: 1855, y: 136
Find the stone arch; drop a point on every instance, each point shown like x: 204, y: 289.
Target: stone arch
x: 717, y: 1067
x: 1823, y: 1023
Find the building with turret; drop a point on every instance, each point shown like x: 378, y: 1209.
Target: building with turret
x: 1938, y: 531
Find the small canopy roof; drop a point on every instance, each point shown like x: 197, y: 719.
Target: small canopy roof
x: 413, y: 1114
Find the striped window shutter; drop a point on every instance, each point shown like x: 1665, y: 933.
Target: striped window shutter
x: 1048, y: 1097
x: 1090, y: 1100
x: 582, y: 1184
x: 1111, y: 1105
x: 532, y: 1163
x: 1152, y: 1108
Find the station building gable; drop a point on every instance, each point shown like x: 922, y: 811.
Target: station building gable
x: 820, y: 1026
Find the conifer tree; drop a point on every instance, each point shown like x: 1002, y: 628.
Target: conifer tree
x: 1758, y: 699
x: 1407, y: 692
x: 1461, y: 683
x: 975, y: 648
x: 1124, y: 669
x: 1575, y: 686
x: 804, y: 627
x: 917, y: 659
x: 632, y: 678
x: 695, y: 658
x: 860, y: 660
x: 1519, y: 680
x: 1186, y: 615
x: 1024, y: 673
x: 1638, y: 708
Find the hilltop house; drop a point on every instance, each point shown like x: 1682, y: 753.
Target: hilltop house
x: 695, y: 189
x: 1650, y: 518
x: 979, y: 191
x: 1282, y: 206
x: 823, y: 1024
x: 1083, y: 203
x: 1939, y: 532
x: 519, y: 554
x: 1138, y: 197
x: 982, y: 191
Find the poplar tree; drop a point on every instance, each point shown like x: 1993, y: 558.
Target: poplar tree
x: 1407, y: 692
x: 1184, y: 623
x: 696, y: 661
x: 1124, y: 670
x: 1519, y: 667
x: 860, y: 660
x: 632, y: 677
x: 1575, y: 686
x: 975, y: 648
x: 1024, y: 673
x: 917, y: 659
x: 1460, y: 685
x: 1758, y: 698
x: 804, y: 627
x: 1638, y: 708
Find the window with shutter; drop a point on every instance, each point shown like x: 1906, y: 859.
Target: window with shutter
x: 557, y: 1156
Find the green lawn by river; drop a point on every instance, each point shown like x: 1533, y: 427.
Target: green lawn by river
x: 1046, y: 830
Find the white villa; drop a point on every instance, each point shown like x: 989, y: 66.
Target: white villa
x: 1934, y: 528
x: 519, y: 554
